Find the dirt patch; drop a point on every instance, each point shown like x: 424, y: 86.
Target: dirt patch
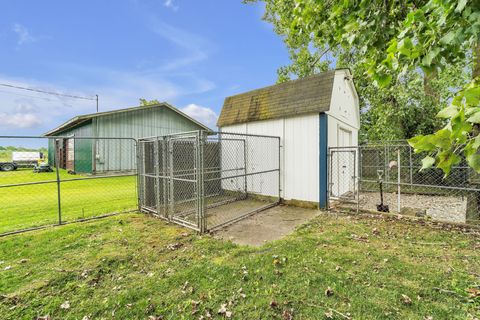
x: 268, y: 225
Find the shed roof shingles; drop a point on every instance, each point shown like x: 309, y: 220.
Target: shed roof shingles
x: 306, y: 95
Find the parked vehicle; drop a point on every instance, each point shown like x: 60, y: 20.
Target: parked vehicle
x: 23, y: 159
x: 26, y: 159
x: 8, y: 166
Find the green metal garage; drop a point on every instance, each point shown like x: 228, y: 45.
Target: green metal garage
x: 100, y: 152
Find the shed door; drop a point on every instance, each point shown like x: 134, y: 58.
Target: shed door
x: 345, y: 184
x: 344, y: 137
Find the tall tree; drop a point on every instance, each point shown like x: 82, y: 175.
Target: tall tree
x: 388, y: 113
x: 393, y: 43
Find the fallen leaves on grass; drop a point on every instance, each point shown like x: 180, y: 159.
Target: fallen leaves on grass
x: 187, y: 288
x: 329, y: 292
x: 356, y: 237
x: 223, y: 311
x: 47, y: 317
x: 329, y: 314
x: 473, y: 292
x: 241, y: 293
x: 65, y: 305
x: 406, y: 299
x: 287, y: 314
x: 174, y: 246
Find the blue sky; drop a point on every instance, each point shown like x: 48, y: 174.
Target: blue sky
x: 190, y: 53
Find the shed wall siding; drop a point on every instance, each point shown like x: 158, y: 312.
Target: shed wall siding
x: 117, y: 155
x: 143, y: 123
x: 299, y: 138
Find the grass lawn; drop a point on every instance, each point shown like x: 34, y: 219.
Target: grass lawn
x: 134, y: 266
x: 36, y: 205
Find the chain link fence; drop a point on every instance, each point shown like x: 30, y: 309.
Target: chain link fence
x: 55, y: 180
x: 205, y: 180
x: 358, y: 174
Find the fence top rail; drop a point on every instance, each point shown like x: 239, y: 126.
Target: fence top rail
x: 185, y: 133
x: 344, y: 148
x: 208, y: 133
x: 67, y: 137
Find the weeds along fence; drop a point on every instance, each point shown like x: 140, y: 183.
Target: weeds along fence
x: 356, y: 173
x: 77, y: 178
x: 204, y: 180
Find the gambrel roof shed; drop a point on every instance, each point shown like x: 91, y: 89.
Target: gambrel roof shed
x: 312, y: 116
x: 301, y: 96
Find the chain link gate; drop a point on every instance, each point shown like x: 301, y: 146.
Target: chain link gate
x: 205, y: 180
x: 343, y: 174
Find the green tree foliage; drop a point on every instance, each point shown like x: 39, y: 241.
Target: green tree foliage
x: 146, y: 103
x: 416, y: 53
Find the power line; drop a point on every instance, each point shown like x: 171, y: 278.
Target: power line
x: 25, y: 95
x: 49, y: 92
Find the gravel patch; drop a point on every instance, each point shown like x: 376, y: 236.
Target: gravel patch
x: 441, y: 208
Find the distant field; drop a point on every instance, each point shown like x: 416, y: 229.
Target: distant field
x: 34, y: 205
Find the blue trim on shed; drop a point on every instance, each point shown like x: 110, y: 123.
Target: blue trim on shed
x: 323, y: 150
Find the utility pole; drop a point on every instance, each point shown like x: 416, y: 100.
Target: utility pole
x: 96, y: 98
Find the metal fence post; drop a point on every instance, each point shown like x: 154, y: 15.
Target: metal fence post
x: 329, y: 176
x: 140, y: 172
x: 245, y: 167
x: 156, y: 160
x: 398, y: 181
x: 202, y: 221
x: 359, y: 175
x: 280, y: 186
x: 411, y: 166
x: 164, y: 180
x: 171, y: 194
x: 59, y: 198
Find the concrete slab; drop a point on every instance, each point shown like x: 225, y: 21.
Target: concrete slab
x: 268, y: 225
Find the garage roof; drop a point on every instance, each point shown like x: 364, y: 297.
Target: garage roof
x: 306, y: 95
x: 78, y: 120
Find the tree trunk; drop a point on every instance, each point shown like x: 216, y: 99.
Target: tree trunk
x: 476, y: 60
x: 429, y: 91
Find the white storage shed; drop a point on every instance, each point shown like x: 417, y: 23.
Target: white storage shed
x: 309, y: 115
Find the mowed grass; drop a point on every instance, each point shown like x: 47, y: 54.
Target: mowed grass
x: 36, y: 205
x: 137, y: 267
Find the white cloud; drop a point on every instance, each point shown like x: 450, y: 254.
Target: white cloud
x: 205, y: 115
x: 19, y: 120
x: 24, y: 36
x: 170, y: 4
